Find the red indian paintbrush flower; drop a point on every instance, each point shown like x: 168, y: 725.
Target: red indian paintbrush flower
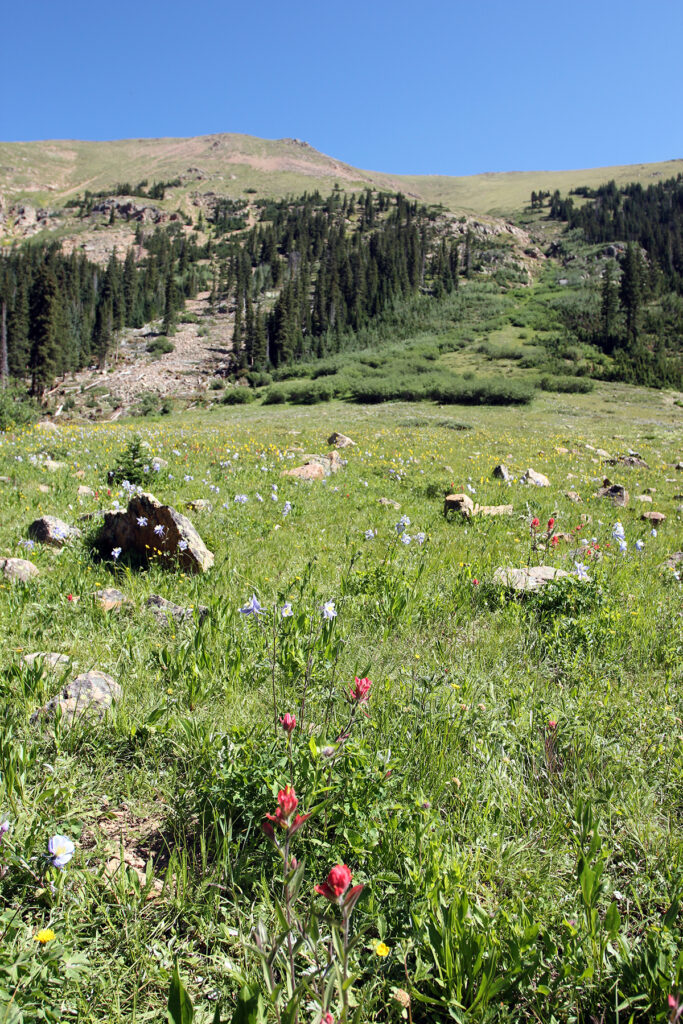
x: 361, y: 690
x: 338, y: 881
x: 551, y: 523
x: 288, y: 723
x: 288, y: 802
x: 535, y: 523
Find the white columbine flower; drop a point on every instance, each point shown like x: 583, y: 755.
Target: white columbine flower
x: 61, y: 850
x: 329, y: 611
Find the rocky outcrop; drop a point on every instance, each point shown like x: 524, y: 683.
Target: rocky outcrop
x: 150, y: 530
x: 340, y: 440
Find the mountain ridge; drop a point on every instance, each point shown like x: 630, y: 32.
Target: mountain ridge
x: 46, y: 171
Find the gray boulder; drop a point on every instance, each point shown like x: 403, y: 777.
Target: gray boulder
x: 53, y: 531
x: 89, y: 695
x: 537, y: 479
x: 148, y: 530
x: 162, y: 610
x: 18, y: 569
x: 529, y: 577
x: 501, y: 472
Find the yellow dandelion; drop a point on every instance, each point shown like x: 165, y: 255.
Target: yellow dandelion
x: 44, y: 935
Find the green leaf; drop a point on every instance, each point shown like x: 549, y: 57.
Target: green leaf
x: 249, y: 1009
x: 179, y: 1010
x: 612, y: 919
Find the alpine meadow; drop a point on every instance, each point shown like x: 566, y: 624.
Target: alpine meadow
x: 341, y: 544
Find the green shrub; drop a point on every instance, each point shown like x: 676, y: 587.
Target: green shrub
x: 275, y: 396
x: 259, y: 378
x: 238, y: 396
x: 160, y: 346
x: 567, y: 385
x: 16, y: 408
x: 485, y: 392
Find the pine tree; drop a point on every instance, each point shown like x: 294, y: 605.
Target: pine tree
x: 44, y: 330
x: 631, y: 290
x: 609, y: 307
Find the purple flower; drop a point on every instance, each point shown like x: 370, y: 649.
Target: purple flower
x: 287, y: 610
x: 160, y: 530
x: 252, y: 607
x: 142, y: 520
x: 115, y: 552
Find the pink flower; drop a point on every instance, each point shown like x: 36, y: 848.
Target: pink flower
x: 535, y: 522
x: 338, y: 881
x: 360, y: 693
x: 288, y: 723
x: 475, y: 582
x: 555, y: 541
x: 327, y: 1019
x: 552, y: 724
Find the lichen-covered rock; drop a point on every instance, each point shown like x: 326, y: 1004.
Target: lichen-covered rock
x: 19, y: 569
x: 492, y: 510
x: 150, y: 530
x: 529, y: 577
x: 89, y: 695
x: 53, y: 531
x: 163, y: 610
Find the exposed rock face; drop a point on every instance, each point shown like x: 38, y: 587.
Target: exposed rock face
x: 148, y: 529
x: 52, y: 531
x: 88, y: 695
x: 537, y: 479
x: 501, y: 472
x: 19, y: 569
x: 573, y: 496
x: 616, y: 493
x: 388, y: 503
x: 199, y: 505
x: 340, y: 440
x: 633, y: 461
x: 163, y: 609
x: 528, y: 578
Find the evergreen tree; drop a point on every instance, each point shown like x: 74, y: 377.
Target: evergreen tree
x: 609, y: 307
x: 44, y: 330
x: 631, y: 290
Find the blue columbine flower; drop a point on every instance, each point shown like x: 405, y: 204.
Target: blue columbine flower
x: 287, y: 610
x: 61, y: 850
x: 252, y: 607
x: 329, y: 611
x: 115, y: 552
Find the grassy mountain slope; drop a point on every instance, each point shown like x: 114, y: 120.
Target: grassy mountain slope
x: 46, y: 171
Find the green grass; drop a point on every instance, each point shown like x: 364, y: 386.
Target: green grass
x: 476, y: 828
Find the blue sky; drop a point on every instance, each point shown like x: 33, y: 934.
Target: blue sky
x: 449, y: 87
